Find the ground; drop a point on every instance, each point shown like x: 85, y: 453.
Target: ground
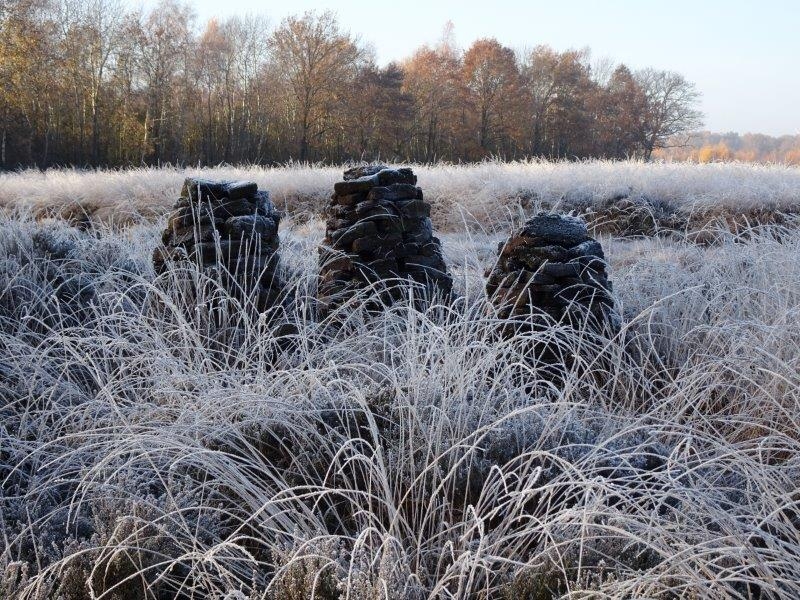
x: 151, y: 450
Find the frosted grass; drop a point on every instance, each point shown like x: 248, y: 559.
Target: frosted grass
x: 405, y: 455
x: 484, y: 193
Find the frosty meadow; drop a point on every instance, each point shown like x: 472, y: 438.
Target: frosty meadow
x: 482, y: 196
x: 427, y: 310
x: 164, y: 440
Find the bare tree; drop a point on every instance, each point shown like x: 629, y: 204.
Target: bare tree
x: 252, y: 56
x: 559, y: 86
x: 316, y: 60
x: 670, y: 108
x: 101, y: 22
x: 163, y: 37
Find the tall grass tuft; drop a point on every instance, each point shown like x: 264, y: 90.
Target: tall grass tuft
x: 405, y: 454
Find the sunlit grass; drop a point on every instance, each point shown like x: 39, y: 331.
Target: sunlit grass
x: 485, y: 195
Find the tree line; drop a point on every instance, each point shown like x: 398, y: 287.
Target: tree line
x: 706, y: 146
x: 92, y: 83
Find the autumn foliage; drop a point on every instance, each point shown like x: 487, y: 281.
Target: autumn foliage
x: 706, y: 147
x: 91, y: 83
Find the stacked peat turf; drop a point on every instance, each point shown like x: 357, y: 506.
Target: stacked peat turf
x: 230, y: 230
x: 552, y: 267
x: 378, y: 229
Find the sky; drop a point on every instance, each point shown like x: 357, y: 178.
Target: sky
x: 744, y: 57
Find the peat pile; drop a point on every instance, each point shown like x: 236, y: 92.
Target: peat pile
x: 378, y: 229
x: 552, y: 267
x: 230, y: 230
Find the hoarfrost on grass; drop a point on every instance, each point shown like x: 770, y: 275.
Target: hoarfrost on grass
x: 402, y: 455
x: 486, y: 195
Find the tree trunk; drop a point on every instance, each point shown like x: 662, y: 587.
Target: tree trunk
x: 484, y: 134
x: 144, y: 139
x: 304, y: 137
x: 95, y: 131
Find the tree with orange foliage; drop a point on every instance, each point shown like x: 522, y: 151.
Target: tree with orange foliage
x: 745, y: 156
x: 91, y: 82
x: 792, y: 157
x: 622, y: 105
x: 25, y: 67
x: 717, y: 153
x: 494, y: 94
x: 376, y: 115
x: 432, y: 79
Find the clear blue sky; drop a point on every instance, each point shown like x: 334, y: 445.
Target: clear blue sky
x: 743, y: 56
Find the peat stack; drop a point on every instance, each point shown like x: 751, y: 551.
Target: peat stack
x: 552, y: 267
x: 230, y: 230
x: 378, y: 229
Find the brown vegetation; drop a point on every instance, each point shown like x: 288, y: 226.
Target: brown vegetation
x: 705, y: 147
x: 89, y: 83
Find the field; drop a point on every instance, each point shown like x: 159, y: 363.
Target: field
x: 149, y: 449
x: 621, y: 197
